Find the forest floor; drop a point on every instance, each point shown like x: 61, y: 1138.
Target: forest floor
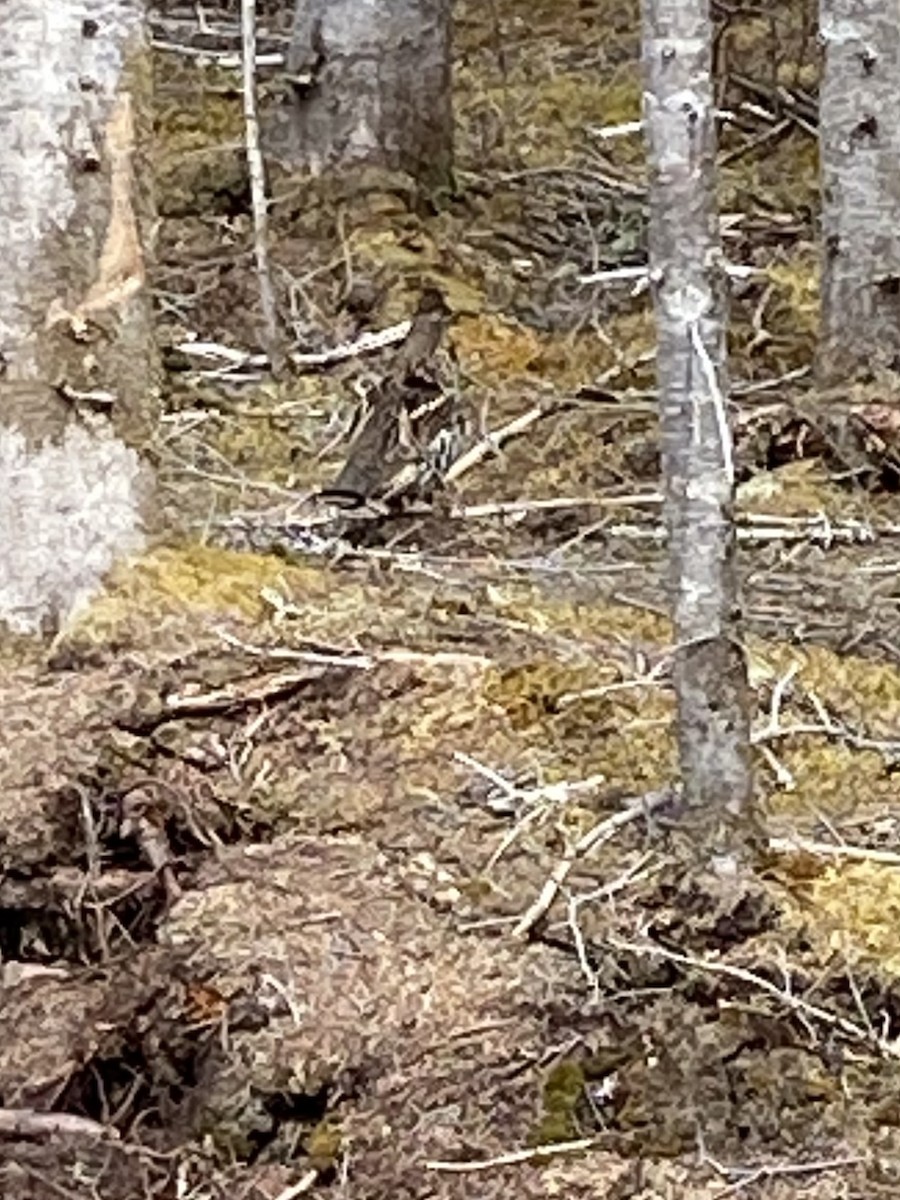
x: 340, y: 869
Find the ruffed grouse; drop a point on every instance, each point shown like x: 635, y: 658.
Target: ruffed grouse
x: 411, y: 430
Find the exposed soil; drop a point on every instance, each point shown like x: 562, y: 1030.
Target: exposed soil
x: 339, y: 862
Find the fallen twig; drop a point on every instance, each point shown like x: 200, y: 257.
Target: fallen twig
x: 803, y: 1008
x: 364, y: 344
x: 638, y: 871
x: 799, y: 845
x: 319, y: 658
x: 229, y: 697
x: 303, y: 1185
x: 230, y: 359
x: 763, y: 529
x: 602, y: 832
x: 509, y: 508
x: 362, y: 662
x: 826, y: 726
x: 750, y: 1175
x: 513, y: 1157
x: 535, y: 802
x: 622, y: 129
x: 25, y: 1122
x: 491, y: 442
x: 655, y: 678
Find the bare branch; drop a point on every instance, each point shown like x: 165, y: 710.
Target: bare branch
x: 258, y: 191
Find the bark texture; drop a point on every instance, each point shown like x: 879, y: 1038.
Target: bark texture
x: 77, y: 390
x: 860, y: 152
x: 369, y: 83
x: 690, y: 295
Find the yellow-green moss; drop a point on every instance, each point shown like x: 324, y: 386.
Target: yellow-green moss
x: 561, y: 1097
x: 209, y: 579
x: 851, y: 910
x: 203, y: 117
x: 323, y: 1145
x: 530, y: 693
x: 625, y: 735
x: 194, y: 584
x: 795, y: 303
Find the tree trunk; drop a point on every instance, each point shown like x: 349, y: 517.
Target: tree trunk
x: 690, y: 296
x: 860, y: 151
x: 369, y: 83
x: 78, y: 385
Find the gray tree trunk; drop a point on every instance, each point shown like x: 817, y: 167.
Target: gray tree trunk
x: 860, y: 157
x: 369, y: 83
x: 77, y: 386
x: 690, y: 296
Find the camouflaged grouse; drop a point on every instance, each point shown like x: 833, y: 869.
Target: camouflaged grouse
x: 411, y: 428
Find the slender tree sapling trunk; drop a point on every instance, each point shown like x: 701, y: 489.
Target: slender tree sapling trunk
x: 860, y: 166
x: 690, y: 296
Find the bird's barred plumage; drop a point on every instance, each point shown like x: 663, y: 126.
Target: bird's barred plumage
x: 413, y: 428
